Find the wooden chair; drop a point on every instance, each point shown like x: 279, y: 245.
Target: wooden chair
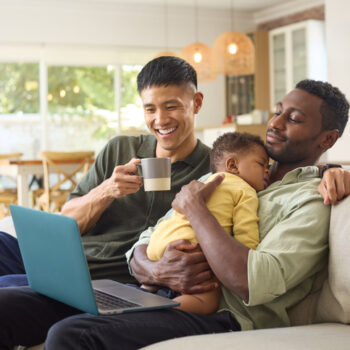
x: 54, y: 195
x: 8, y: 195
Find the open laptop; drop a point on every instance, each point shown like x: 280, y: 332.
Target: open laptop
x: 55, y: 264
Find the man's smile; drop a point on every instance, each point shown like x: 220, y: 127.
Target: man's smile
x: 166, y: 131
x: 274, y: 137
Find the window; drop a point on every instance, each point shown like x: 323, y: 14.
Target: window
x: 80, y: 103
x: 20, y: 127
x: 131, y: 112
x: 19, y: 88
x: 86, y: 106
x: 240, y: 94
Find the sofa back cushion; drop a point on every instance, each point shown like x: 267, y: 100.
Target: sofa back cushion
x: 329, y: 299
x: 334, y: 302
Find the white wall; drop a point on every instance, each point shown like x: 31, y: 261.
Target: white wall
x: 107, y: 23
x: 214, y: 106
x: 119, y: 33
x: 338, y: 48
x: 105, y: 32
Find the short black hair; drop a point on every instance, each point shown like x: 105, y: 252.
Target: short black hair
x: 229, y: 142
x: 334, y: 108
x: 164, y: 71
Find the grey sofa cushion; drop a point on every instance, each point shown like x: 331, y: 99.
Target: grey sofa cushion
x: 312, y: 337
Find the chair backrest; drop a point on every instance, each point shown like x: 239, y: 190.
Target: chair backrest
x: 10, y: 156
x: 53, y: 162
x: 8, y: 193
x: 5, y: 158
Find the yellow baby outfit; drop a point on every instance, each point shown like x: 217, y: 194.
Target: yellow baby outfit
x: 234, y: 204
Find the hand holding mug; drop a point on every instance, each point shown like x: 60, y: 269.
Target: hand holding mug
x: 124, y: 179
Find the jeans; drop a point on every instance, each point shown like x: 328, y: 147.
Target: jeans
x: 28, y: 318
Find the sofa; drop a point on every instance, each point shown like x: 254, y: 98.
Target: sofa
x: 321, y: 321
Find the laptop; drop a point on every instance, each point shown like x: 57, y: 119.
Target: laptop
x: 56, y: 266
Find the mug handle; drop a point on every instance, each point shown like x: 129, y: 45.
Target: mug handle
x: 139, y: 170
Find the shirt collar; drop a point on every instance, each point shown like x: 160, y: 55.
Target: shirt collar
x: 299, y: 175
x: 148, y: 147
x: 197, y: 155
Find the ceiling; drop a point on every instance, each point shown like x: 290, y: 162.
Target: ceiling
x: 249, y: 5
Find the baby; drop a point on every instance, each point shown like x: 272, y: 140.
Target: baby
x: 243, y: 159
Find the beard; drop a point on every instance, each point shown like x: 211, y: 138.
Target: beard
x: 291, y: 153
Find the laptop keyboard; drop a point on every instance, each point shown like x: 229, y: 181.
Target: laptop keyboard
x: 106, y: 301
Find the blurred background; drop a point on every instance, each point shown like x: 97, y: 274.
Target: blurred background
x: 68, y: 68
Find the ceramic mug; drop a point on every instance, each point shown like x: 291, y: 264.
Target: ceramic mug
x: 156, y: 173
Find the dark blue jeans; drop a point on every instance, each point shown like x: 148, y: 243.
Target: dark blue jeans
x: 12, y: 271
x: 28, y: 318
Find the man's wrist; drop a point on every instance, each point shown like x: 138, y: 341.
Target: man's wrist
x: 328, y: 166
x: 155, y: 274
x: 103, y: 192
x: 196, y: 211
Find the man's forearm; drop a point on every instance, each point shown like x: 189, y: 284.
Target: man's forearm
x: 225, y: 255
x: 88, y: 209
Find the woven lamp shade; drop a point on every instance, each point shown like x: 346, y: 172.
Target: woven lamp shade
x: 240, y: 61
x: 166, y: 53
x: 200, y: 57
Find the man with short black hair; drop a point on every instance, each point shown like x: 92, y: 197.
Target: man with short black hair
x: 109, y: 195
x: 106, y: 199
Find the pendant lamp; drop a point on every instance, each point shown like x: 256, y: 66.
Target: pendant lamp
x: 199, y: 56
x: 233, y: 53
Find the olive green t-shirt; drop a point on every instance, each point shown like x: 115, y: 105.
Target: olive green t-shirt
x: 122, y: 222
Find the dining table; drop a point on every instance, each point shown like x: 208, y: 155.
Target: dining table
x: 24, y: 171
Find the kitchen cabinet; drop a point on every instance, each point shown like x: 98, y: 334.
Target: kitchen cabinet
x: 297, y: 52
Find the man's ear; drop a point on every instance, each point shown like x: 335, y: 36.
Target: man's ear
x: 232, y: 165
x: 198, y: 101
x: 330, y: 137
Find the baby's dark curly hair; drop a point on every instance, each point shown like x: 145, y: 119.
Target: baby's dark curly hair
x: 334, y: 108
x: 232, y: 142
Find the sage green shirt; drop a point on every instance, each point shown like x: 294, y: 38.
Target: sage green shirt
x: 122, y: 222
x: 293, y: 225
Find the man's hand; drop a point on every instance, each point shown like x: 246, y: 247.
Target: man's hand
x: 195, y: 192
x: 124, y: 180
x: 88, y: 209
x: 335, y: 185
x: 183, y: 268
